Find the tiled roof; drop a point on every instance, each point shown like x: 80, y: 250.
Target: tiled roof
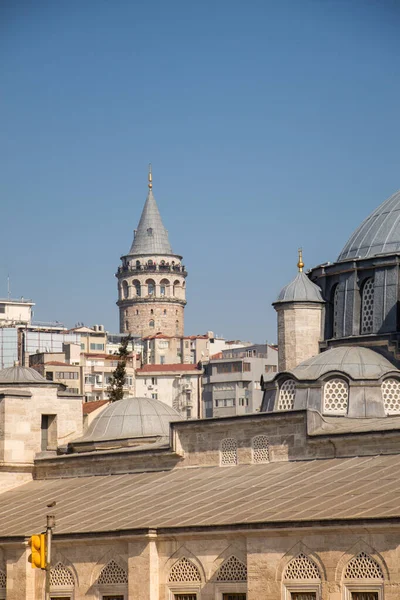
x: 168, y: 368
x: 218, y: 355
x: 343, y: 489
x: 89, y: 407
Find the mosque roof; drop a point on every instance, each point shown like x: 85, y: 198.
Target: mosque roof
x: 131, y: 418
x: 151, y: 237
x: 360, y: 488
x: 379, y: 233
x: 357, y: 362
x: 301, y: 289
x: 22, y: 375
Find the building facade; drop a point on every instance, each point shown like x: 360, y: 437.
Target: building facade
x: 232, y: 380
x: 151, y: 279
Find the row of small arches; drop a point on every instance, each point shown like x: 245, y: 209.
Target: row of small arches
x: 259, y: 450
x: 366, y: 312
x: 336, y: 395
x: 362, y: 566
x: 149, y: 288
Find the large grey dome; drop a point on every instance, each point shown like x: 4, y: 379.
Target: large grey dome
x: 301, y: 289
x: 131, y: 418
x: 22, y: 375
x: 378, y: 234
x: 356, y: 361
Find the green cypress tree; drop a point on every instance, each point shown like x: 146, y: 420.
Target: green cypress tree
x: 115, y: 388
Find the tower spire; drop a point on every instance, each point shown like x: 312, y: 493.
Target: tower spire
x: 150, y: 178
x: 300, y: 264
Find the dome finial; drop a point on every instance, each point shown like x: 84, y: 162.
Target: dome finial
x: 150, y: 178
x: 300, y: 264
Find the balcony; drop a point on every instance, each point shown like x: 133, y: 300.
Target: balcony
x: 161, y: 268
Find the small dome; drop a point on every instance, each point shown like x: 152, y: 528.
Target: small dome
x: 355, y: 361
x: 301, y: 289
x: 131, y: 418
x: 22, y: 375
x: 378, y: 234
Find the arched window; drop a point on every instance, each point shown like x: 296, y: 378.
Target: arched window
x: 151, y: 323
x: 287, y: 394
x: 302, y: 567
x: 176, y: 326
x: 335, y: 310
x: 62, y: 581
x: 391, y: 396
x: 151, y: 311
x: 302, y: 579
x: 125, y: 289
x: 149, y: 231
x: 136, y: 286
x: 228, y: 453
x: 138, y: 264
x: 363, y: 578
x: 363, y: 566
x: 260, y: 449
x: 336, y: 396
x: 176, y: 287
x: 151, y: 287
x: 126, y: 325
x: 184, y: 571
x: 113, y: 574
x: 232, y: 570
x: 164, y: 287
x: 113, y: 581
x: 165, y: 311
x: 367, y: 306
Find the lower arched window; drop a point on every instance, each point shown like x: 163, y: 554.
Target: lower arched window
x: 336, y: 396
x: 287, y: 394
x: 260, y: 449
x: 62, y: 583
x: 151, y: 323
x: 3, y: 584
x: 302, y: 579
x: 125, y: 289
x: 113, y: 582
x: 363, y: 578
x: 391, y: 396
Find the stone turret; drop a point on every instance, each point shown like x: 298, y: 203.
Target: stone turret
x: 299, y: 307
x: 151, y: 279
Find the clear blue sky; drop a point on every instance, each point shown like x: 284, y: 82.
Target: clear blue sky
x: 270, y: 125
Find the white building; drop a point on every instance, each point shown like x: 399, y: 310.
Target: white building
x: 177, y: 385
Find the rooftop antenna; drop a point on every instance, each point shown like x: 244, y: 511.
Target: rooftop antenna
x: 150, y: 178
x: 300, y: 264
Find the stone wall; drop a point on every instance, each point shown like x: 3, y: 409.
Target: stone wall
x: 136, y: 317
x: 299, y: 333
x: 144, y: 566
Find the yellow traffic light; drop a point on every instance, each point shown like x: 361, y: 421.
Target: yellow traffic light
x: 38, y: 550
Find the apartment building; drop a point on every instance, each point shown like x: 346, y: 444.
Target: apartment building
x: 177, y: 385
x: 231, y: 380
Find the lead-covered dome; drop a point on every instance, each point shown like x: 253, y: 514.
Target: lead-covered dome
x: 378, y: 234
x: 22, y: 376
x: 131, y: 421
x: 301, y: 289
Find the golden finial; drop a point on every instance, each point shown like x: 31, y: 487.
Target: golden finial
x: 300, y: 264
x: 150, y: 178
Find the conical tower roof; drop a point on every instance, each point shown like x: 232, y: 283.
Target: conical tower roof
x: 151, y: 237
x: 301, y: 289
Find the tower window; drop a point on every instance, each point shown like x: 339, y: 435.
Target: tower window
x: 126, y: 326
x: 151, y: 323
x: 151, y: 287
x: 136, y: 285
x: 151, y: 311
x: 150, y: 231
x: 125, y: 289
x: 137, y: 312
x: 165, y: 311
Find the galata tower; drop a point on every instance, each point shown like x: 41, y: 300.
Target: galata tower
x: 151, y: 279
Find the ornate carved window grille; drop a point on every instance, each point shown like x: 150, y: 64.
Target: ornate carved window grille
x: 335, y: 311
x: 232, y: 570
x: 60, y: 575
x: 228, y: 452
x: 112, y: 573
x: 367, y: 306
x: 3, y: 580
x: 336, y: 396
x: 184, y: 571
x: 363, y: 566
x: 302, y: 567
x: 391, y: 396
x: 260, y: 449
x: 287, y: 394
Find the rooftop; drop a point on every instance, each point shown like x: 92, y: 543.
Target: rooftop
x: 273, y: 494
x: 168, y: 368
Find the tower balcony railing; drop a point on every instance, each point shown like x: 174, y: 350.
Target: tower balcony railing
x: 161, y: 268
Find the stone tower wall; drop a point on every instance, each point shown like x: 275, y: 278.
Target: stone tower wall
x: 299, y: 333
x: 152, y: 297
